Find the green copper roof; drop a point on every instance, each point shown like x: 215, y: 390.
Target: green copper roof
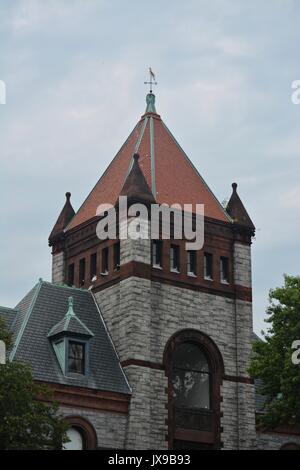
x: 150, y: 100
x: 70, y: 324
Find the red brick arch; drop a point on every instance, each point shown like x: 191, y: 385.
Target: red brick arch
x: 88, y: 431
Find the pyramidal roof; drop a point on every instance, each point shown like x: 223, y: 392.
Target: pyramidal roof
x: 168, y: 172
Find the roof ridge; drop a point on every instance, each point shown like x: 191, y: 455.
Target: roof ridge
x: 25, y: 321
x: 137, y: 145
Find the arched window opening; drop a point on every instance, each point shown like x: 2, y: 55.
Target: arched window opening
x: 76, y: 439
x: 81, y: 434
x: 190, y: 378
x: 195, y: 369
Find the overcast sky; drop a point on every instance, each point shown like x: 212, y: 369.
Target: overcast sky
x: 74, y: 72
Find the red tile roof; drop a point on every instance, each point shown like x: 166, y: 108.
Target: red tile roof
x: 167, y: 170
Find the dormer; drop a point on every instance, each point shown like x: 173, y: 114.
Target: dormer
x: 70, y: 341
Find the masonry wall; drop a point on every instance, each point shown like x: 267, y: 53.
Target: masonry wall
x: 58, y: 267
x: 110, y: 427
x: 142, y: 315
x: 274, y: 441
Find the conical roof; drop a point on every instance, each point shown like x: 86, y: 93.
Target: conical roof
x: 64, y: 218
x: 237, y: 211
x: 167, y: 170
x: 135, y: 187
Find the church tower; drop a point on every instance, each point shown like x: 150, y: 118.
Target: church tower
x: 181, y: 321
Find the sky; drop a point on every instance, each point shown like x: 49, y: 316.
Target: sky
x: 74, y: 73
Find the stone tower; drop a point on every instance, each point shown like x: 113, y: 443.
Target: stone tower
x: 181, y: 321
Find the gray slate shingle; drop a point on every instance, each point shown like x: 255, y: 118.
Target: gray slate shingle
x: 49, y: 304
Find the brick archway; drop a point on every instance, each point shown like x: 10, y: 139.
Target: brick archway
x: 88, y: 432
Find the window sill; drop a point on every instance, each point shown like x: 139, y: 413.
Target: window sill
x: 175, y: 271
x: 104, y: 274
x: 208, y: 279
x: 225, y: 282
x: 157, y: 266
x: 192, y: 274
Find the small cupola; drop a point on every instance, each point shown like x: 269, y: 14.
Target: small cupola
x: 70, y: 341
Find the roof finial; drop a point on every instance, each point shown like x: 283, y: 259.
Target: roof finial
x: 70, y: 304
x: 234, y: 187
x: 152, y: 80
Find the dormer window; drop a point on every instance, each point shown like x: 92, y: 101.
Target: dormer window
x: 70, y: 341
x: 76, y: 357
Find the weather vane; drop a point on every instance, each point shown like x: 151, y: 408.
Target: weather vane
x: 152, y: 79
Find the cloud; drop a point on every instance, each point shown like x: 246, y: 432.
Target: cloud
x: 32, y: 15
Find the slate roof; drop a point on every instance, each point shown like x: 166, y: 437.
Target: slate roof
x: 168, y: 172
x: 70, y: 324
x: 44, y: 307
x: 9, y: 314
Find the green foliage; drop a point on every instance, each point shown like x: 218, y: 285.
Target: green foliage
x: 5, y: 334
x: 272, y: 359
x: 25, y: 422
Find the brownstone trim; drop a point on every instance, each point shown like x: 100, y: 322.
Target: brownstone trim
x: 157, y: 366
x: 145, y: 271
x: 87, y: 430
x: 96, y: 400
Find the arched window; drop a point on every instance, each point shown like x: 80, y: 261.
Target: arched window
x: 195, y: 369
x: 76, y: 439
x: 190, y: 378
x: 81, y: 434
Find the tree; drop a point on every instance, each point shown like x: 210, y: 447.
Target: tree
x: 272, y: 358
x: 29, y: 418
